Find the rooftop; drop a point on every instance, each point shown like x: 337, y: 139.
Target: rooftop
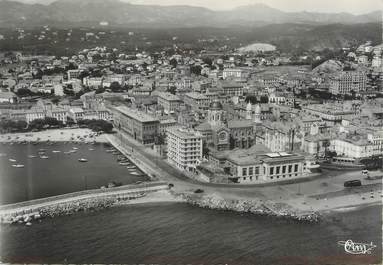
x: 185, y: 133
x: 195, y: 95
x: 136, y: 114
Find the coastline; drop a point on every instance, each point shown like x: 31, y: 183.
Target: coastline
x: 259, y: 201
x: 77, y: 135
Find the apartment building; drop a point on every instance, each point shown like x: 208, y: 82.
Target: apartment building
x: 184, y: 148
x: 347, y: 82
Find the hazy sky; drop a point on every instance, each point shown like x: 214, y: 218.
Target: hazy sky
x: 330, y: 6
x: 352, y: 6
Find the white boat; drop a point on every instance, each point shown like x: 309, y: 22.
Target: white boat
x: 131, y: 167
x: 56, y: 151
x: 74, y: 148
x: 18, y: 166
x: 91, y: 149
x: 31, y: 156
x: 44, y: 157
x: 12, y: 160
x: 83, y: 160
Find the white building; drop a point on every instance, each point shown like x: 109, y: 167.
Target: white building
x: 184, y: 148
x: 348, y: 82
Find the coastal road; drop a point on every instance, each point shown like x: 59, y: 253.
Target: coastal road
x: 296, y: 193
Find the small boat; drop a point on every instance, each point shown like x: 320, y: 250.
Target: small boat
x: 42, y: 150
x: 91, y: 149
x: 124, y: 163
x: 56, y: 151
x: 12, y: 160
x: 44, y: 157
x: 31, y: 156
x: 18, y: 166
x: 28, y: 224
x: 74, y: 148
x: 83, y: 160
x: 131, y: 167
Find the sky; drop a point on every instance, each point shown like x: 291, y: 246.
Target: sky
x: 327, y: 6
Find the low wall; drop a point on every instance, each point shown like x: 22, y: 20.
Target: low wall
x: 83, y: 200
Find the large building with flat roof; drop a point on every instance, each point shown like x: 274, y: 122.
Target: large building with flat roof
x: 259, y: 165
x: 184, y: 148
x: 139, y: 125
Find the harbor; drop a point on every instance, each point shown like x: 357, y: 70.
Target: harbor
x: 32, y: 171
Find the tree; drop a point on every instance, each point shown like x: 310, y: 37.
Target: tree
x: 196, y: 69
x: 264, y: 99
x: 173, y: 62
x: 24, y: 92
x: 115, y: 87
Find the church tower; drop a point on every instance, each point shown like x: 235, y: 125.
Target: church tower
x: 249, y: 111
x: 257, y: 114
x: 215, y: 114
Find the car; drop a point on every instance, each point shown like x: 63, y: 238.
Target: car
x: 352, y: 183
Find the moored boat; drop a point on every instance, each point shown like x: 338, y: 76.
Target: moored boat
x: 18, y: 166
x: 83, y: 160
x: 44, y: 157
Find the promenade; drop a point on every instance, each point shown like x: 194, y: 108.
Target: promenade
x: 303, y: 195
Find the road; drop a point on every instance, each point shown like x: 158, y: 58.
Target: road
x: 298, y: 194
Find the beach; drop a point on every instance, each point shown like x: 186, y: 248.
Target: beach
x: 56, y: 135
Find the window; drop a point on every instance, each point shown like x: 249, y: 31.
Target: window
x: 251, y: 171
x: 257, y: 170
x: 284, y: 169
x: 290, y: 168
x: 296, y: 168
x: 278, y: 169
x: 271, y: 171
x: 244, y: 171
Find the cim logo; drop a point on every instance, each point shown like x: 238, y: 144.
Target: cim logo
x: 357, y: 248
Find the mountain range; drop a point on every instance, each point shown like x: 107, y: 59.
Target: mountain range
x: 123, y: 14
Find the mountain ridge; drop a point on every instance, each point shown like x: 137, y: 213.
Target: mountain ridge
x: 119, y: 13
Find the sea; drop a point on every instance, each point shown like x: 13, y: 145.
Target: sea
x: 61, y: 172
x: 167, y: 233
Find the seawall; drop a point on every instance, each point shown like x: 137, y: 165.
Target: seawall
x: 75, y: 202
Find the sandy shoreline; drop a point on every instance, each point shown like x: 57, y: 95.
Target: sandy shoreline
x: 56, y: 135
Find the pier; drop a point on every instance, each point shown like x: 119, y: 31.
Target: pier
x: 77, y: 201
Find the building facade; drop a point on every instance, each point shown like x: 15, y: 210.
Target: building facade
x: 184, y: 148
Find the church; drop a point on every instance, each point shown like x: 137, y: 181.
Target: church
x: 221, y: 134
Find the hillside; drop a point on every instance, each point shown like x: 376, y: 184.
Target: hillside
x: 122, y: 14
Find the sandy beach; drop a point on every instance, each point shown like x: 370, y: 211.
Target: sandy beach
x: 57, y: 135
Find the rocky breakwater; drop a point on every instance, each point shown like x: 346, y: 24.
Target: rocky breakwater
x: 69, y: 208
x: 278, y: 210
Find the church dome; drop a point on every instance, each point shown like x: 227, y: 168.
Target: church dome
x: 216, y: 105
